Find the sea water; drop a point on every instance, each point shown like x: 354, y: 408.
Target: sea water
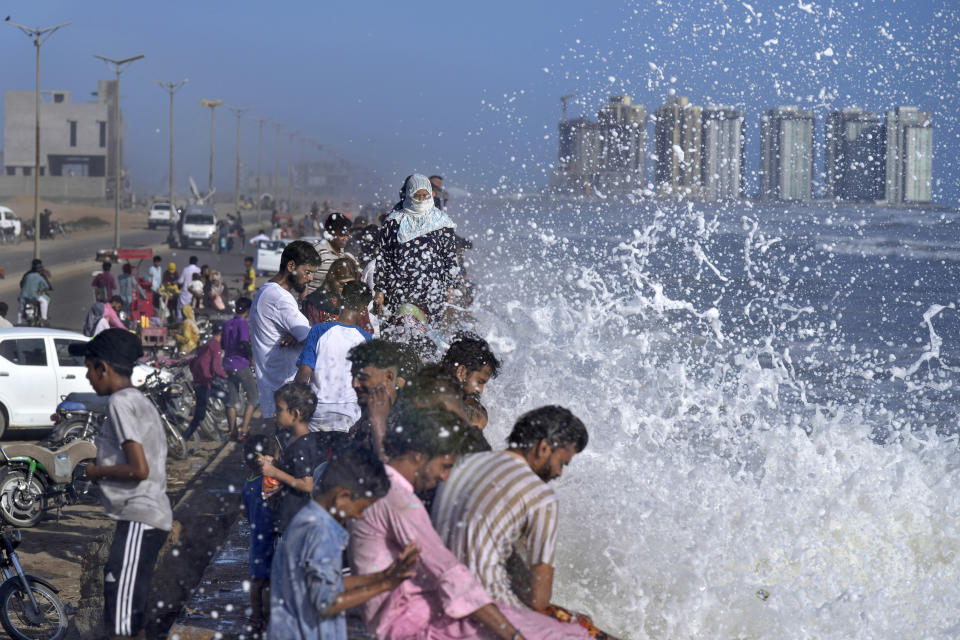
x: 771, y: 395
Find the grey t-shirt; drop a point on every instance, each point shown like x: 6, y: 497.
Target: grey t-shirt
x: 132, y: 417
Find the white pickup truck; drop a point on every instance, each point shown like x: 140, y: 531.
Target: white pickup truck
x: 161, y: 215
x: 10, y: 228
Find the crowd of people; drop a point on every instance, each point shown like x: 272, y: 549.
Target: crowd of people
x: 377, y: 506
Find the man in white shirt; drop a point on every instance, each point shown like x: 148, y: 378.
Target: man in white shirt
x: 186, y: 277
x: 261, y: 235
x: 277, y: 327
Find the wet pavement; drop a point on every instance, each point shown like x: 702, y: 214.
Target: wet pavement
x: 219, y: 606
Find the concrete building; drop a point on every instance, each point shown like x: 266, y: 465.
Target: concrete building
x: 855, y: 156
x: 786, y: 171
x: 677, y: 145
x: 909, y: 161
x: 578, y: 157
x: 77, y: 143
x: 722, y: 154
x: 621, y: 141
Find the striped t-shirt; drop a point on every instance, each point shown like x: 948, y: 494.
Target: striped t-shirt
x: 491, y: 505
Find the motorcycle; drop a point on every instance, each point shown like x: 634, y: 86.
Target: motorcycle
x: 34, y: 477
x: 165, y: 396
x: 29, y: 606
x: 31, y: 313
x: 78, y: 417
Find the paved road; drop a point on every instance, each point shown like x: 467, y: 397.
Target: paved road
x: 72, y: 264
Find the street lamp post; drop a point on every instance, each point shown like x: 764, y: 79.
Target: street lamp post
x: 260, y: 121
x: 292, y: 134
x: 39, y: 36
x: 212, y: 104
x: 119, y: 66
x: 239, y: 111
x: 276, y: 163
x: 172, y: 88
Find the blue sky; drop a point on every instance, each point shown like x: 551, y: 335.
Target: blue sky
x: 472, y: 89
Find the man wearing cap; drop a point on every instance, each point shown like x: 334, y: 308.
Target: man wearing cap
x: 131, y: 472
x: 336, y: 236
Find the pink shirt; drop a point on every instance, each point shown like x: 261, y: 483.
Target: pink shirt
x: 434, y: 603
x: 110, y: 315
x: 442, y: 584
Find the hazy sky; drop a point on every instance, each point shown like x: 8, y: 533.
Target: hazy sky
x: 471, y: 89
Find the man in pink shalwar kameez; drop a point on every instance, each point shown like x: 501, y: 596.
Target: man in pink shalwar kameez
x: 444, y: 600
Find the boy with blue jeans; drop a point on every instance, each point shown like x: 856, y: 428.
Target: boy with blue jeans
x: 310, y: 593
x: 260, y: 519
x: 131, y: 472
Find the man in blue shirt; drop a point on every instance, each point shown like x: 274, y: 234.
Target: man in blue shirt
x: 156, y: 279
x: 309, y: 593
x: 34, y: 286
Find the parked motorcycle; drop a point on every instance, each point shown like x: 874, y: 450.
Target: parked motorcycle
x: 34, y: 478
x: 165, y: 397
x: 29, y: 606
x: 78, y: 417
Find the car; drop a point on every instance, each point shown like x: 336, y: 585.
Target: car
x: 266, y: 261
x: 161, y: 215
x: 37, y: 370
x: 198, y: 227
x: 10, y: 227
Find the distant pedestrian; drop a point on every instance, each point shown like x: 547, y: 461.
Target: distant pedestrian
x: 238, y: 363
x: 249, y: 277
x: 104, y: 284
x: 186, y: 277
x: 205, y: 368
x: 156, y: 280
x: 127, y: 287
x: 261, y: 236
x: 130, y: 471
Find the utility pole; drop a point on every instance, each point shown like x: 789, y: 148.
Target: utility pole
x: 172, y: 88
x: 120, y: 66
x: 213, y: 104
x: 260, y: 121
x: 276, y: 163
x: 39, y: 36
x: 292, y: 135
x: 239, y: 111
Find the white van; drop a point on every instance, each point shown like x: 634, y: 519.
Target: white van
x: 199, y: 227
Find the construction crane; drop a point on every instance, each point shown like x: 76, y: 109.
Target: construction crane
x: 563, y: 104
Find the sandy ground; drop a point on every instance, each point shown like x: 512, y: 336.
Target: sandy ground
x: 23, y: 206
